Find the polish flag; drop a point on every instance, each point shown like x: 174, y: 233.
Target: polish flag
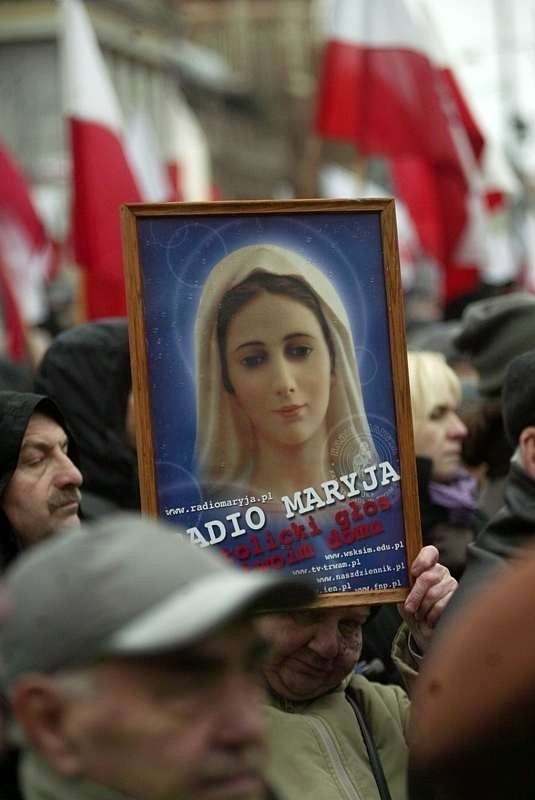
x: 144, y: 157
x: 492, y: 182
x: 186, y: 151
x: 469, y: 259
x: 337, y: 181
x: 378, y: 86
x: 466, y: 118
x: 380, y: 89
x: 13, y: 336
x: 501, y: 182
x: 485, y: 156
x: 486, y: 246
x: 101, y: 175
x: 26, y: 251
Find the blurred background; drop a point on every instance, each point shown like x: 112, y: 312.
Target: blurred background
x: 111, y: 101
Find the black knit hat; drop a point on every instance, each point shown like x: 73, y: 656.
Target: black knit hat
x: 493, y: 332
x: 518, y: 398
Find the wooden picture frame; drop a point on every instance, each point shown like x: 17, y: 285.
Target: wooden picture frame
x: 274, y: 419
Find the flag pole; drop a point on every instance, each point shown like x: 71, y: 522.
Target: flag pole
x: 307, y: 183
x: 80, y: 295
x: 361, y: 170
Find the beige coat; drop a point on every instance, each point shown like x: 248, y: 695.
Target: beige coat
x: 38, y: 781
x: 318, y: 753
x: 317, y: 750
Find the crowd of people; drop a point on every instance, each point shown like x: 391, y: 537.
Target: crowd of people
x: 135, y: 665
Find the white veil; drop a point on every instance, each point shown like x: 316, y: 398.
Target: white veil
x: 225, y: 444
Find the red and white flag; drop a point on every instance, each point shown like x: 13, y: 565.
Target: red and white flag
x: 337, y: 181
x: 12, y: 328
x: 101, y: 176
x: 380, y: 89
x: 25, y: 248
x: 487, y: 242
x: 186, y: 151
x: 377, y: 85
x: 466, y: 118
x: 469, y: 259
x: 485, y: 156
x: 145, y: 159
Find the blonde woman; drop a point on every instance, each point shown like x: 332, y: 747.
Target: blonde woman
x: 277, y: 377
x: 447, y: 491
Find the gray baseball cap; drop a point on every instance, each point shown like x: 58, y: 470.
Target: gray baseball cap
x: 125, y: 585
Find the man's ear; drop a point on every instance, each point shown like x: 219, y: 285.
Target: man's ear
x: 40, y: 707
x: 526, y: 444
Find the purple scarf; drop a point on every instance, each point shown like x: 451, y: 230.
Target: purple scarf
x: 459, y: 496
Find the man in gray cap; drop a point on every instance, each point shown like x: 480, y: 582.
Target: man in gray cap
x: 130, y: 663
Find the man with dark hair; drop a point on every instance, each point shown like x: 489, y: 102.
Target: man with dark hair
x: 131, y: 662
x: 39, y: 480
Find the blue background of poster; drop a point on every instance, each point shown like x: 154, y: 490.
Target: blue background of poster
x: 176, y: 254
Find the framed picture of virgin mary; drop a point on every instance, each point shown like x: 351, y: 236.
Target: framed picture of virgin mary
x: 271, y: 386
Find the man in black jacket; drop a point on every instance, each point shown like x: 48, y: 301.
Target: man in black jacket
x: 39, y: 480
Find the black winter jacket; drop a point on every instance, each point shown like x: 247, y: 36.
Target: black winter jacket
x: 504, y: 537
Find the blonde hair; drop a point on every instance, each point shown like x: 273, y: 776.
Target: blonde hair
x: 432, y: 382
